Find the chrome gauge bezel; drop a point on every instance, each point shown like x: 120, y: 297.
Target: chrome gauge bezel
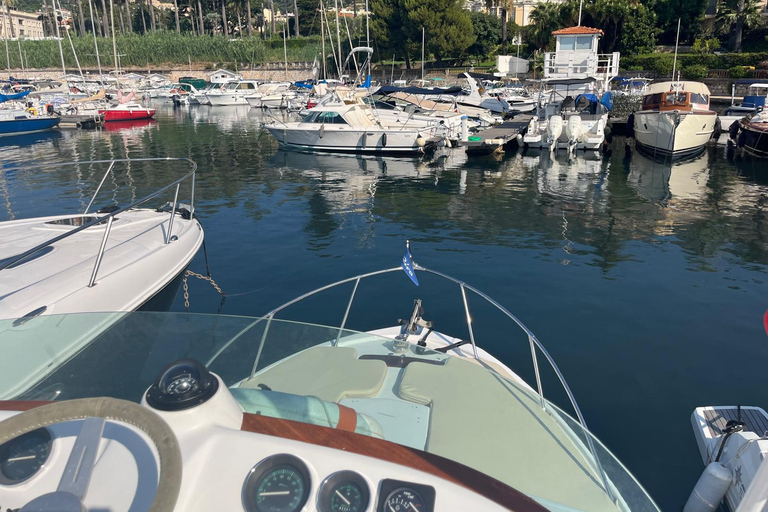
x: 47, y: 439
x: 263, y: 468
x: 390, y: 487
x: 333, y: 481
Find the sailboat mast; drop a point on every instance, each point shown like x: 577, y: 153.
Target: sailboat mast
x: 61, y: 50
x: 95, y: 43
x: 677, y: 40
x: 322, y: 39
x: 285, y: 48
x: 114, y: 43
x: 423, y: 39
x: 21, y: 59
x: 338, y: 39
x: 72, y: 45
x: 367, y: 35
x: 5, y: 36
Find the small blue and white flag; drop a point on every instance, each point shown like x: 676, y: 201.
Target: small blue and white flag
x: 407, y: 263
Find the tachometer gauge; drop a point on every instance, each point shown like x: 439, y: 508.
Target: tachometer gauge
x: 277, y: 484
x: 404, y: 500
x: 345, y: 491
x: 22, y: 458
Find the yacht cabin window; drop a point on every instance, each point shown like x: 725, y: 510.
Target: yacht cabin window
x: 246, y: 85
x: 324, y: 117
x: 701, y: 99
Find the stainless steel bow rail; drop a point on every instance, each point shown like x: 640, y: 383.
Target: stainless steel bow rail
x: 532, y: 340
x: 110, y: 217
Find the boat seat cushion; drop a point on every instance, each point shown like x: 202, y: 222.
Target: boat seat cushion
x: 306, y: 409
x: 496, y: 426
x: 329, y: 373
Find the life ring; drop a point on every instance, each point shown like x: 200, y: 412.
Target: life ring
x: 32, y: 110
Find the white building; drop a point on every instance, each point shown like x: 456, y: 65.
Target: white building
x: 26, y: 25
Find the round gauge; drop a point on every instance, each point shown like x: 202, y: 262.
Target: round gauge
x: 22, y: 458
x: 278, y: 484
x: 344, y: 491
x: 404, y: 500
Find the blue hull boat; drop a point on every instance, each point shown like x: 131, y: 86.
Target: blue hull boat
x: 23, y: 124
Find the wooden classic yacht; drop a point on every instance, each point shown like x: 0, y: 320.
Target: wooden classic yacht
x: 675, y: 120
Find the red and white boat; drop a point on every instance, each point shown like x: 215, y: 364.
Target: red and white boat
x: 127, y: 112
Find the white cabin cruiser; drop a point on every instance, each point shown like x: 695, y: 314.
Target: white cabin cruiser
x: 288, y: 417
x: 351, y: 128
x: 233, y: 93
x: 675, y: 120
x: 113, y: 259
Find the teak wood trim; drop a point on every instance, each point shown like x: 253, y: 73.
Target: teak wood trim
x: 20, y: 405
x: 436, y: 465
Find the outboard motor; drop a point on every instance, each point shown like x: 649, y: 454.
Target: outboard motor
x: 574, y: 131
x: 554, y: 130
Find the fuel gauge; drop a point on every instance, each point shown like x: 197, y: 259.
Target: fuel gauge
x: 345, y: 491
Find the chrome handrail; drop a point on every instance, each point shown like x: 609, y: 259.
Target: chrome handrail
x: 110, y: 216
x: 532, y: 339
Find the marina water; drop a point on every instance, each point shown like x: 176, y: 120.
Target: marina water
x: 645, y: 281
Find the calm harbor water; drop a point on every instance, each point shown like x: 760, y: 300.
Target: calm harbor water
x: 645, y: 282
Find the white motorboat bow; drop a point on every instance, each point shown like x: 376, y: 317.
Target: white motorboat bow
x: 234, y: 93
x: 675, y: 120
x: 290, y: 417
x: 114, y: 259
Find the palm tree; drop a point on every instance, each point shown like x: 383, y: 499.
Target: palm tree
x: 176, y: 14
x: 248, y: 17
x: 546, y: 19
x: 734, y: 16
x: 504, y: 6
x: 151, y: 15
x: 7, y: 4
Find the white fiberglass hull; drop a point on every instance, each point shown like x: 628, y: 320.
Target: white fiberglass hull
x: 655, y: 132
x: 344, y: 139
x: 226, y: 100
x: 254, y: 101
x: 136, y: 265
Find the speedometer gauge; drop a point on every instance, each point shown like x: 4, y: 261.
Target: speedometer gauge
x: 21, y: 458
x: 345, y: 491
x: 277, y: 484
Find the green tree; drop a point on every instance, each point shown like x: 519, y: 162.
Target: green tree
x: 487, y: 30
x: 387, y: 28
x: 736, y: 16
x: 689, y: 12
x: 638, y: 33
x: 447, y: 24
x: 545, y: 19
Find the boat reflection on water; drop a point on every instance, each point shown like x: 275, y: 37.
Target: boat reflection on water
x: 577, y: 183
x: 661, y: 182
x: 29, y: 139
x: 138, y: 125
x: 392, y: 167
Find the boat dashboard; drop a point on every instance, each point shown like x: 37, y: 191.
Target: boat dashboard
x: 235, y: 461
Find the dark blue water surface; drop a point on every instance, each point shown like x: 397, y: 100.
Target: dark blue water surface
x: 646, y: 283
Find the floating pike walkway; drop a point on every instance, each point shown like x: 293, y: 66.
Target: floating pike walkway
x: 496, y: 138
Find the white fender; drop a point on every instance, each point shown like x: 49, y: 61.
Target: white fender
x: 710, y: 490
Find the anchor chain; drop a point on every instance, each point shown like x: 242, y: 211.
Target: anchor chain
x: 202, y: 278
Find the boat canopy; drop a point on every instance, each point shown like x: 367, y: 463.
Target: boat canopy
x: 11, y: 97
x: 694, y: 87
x: 452, y: 91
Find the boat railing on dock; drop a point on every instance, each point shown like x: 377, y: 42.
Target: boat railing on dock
x: 572, y: 65
x: 109, y: 216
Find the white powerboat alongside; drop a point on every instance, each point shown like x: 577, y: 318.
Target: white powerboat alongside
x: 289, y: 417
x: 114, y: 259
x: 233, y: 93
x: 675, y: 120
x: 733, y: 443
x: 351, y: 128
